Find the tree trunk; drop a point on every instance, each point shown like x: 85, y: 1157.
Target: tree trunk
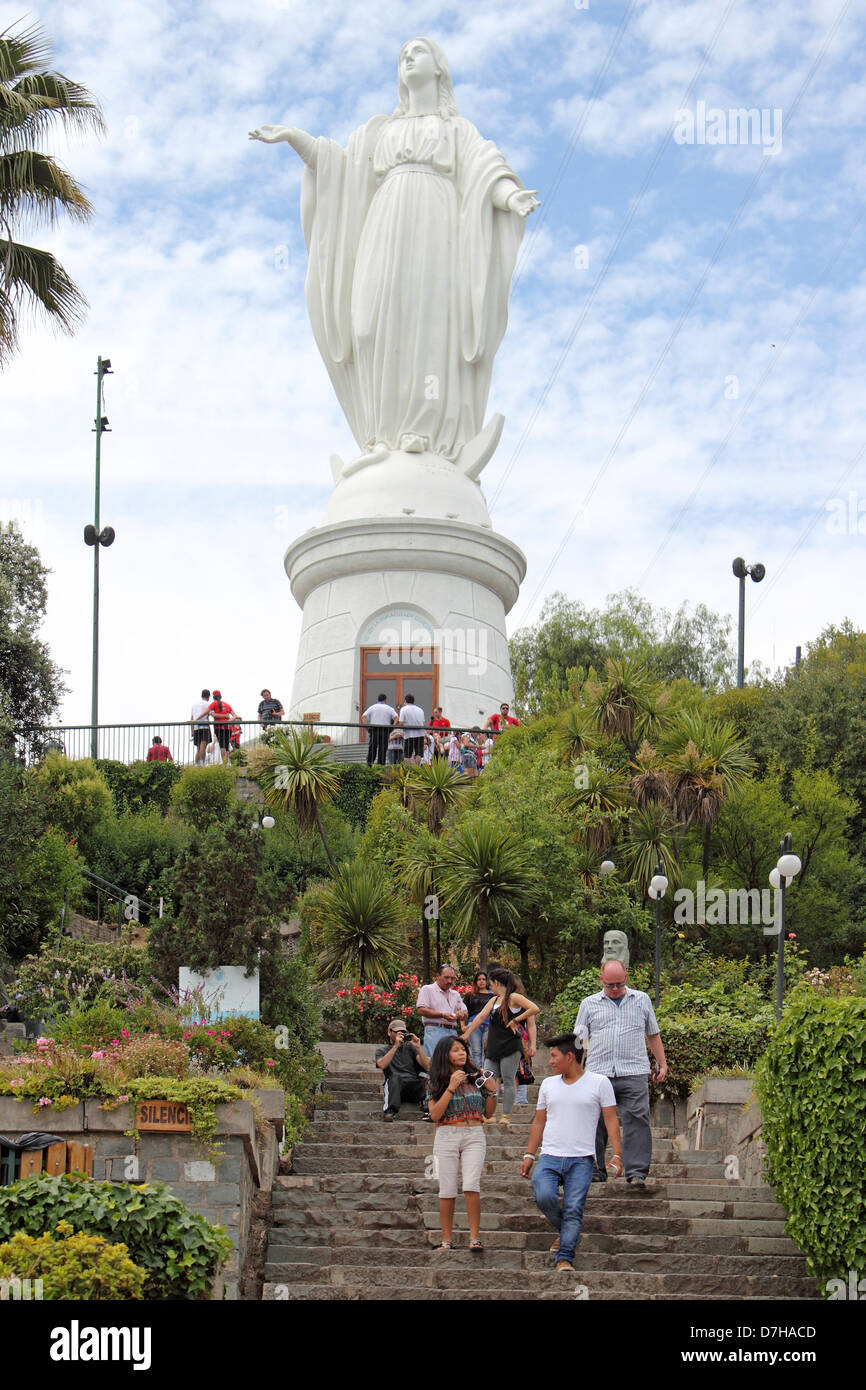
x: 321, y: 830
x: 524, y: 960
x: 425, y: 948
x: 482, y: 922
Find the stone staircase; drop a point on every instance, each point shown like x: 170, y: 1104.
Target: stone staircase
x: 359, y: 1216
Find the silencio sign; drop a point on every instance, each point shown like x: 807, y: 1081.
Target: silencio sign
x: 162, y: 1115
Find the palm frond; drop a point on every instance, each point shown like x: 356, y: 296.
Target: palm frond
x: 33, y: 184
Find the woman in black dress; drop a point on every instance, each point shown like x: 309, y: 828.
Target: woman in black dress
x: 506, y: 1010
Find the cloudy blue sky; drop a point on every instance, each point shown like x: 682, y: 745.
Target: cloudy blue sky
x: 682, y: 377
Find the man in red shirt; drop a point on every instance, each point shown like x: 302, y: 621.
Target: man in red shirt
x: 438, y: 722
x: 497, y: 722
x: 222, y: 722
x: 159, y: 752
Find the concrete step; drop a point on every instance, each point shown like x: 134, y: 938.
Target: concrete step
x: 408, y: 1128
x: 554, y: 1292
x: 500, y: 1146
x: 378, y: 1240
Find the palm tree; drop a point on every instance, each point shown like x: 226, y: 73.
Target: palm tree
x: 297, y: 774
x: 436, y: 787
x: 706, y: 763
x: 597, y: 800
x: 629, y: 703
x: 33, y: 186
x: 487, y: 877
x: 648, y: 842
x: 361, y: 925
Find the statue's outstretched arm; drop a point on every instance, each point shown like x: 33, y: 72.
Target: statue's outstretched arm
x: 509, y: 197
x: 302, y: 143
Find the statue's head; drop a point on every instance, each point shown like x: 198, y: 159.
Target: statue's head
x: 421, y: 59
x: 615, y: 947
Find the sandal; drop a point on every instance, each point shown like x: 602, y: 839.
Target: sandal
x: 443, y: 1245
x: 475, y: 1244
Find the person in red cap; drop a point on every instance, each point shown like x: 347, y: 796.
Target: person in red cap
x: 222, y: 721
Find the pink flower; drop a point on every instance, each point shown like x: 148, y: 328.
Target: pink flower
x: 124, y: 1032
x: 43, y: 1042
x: 115, y: 1042
x: 792, y: 936
x: 19, y: 1081
x: 225, y: 1035
x: 44, y: 1100
x: 96, y: 1056
x: 121, y: 1099
x: 270, y: 1064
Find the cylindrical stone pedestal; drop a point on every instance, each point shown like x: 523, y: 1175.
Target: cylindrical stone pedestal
x: 383, y: 584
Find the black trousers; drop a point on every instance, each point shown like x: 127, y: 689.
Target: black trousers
x: 400, y: 1089
x: 377, y: 745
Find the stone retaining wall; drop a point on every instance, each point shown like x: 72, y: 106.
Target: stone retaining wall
x: 221, y: 1192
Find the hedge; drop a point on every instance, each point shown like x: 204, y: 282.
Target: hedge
x: 811, y: 1084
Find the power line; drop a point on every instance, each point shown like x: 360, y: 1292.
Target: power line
x: 528, y: 245
x: 590, y: 300
x: 732, y: 225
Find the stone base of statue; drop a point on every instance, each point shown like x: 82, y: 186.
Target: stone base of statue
x: 404, y: 589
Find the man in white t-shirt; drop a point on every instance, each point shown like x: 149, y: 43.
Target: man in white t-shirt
x: 201, y: 727
x: 570, y: 1104
x: 413, y: 720
x: 380, y: 717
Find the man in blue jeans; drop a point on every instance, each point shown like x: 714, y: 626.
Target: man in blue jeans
x: 570, y: 1105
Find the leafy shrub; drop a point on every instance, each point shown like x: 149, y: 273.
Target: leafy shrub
x: 73, y: 973
x: 140, y: 785
x: 358, y: 785
x: 811, y: 1084
x: 179, y: 1251
x: 74, y: 795
x: 288, y: 996
x: 362, y: 1014
x: 694, y: 1046
x: 204, y: 796
x: 79, y: 1267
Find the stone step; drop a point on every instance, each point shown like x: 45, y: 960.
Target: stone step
x: 554, y: 1293
x: 493, y: 1167
x: 293, y: 1263
x: 501, y: 1146
x: 483, y: 1283
x: 408, y: 1128
x: 377, y: 1240
x: 612, y: 1191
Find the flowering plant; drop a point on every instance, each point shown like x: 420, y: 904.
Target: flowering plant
x: 362, y: 1013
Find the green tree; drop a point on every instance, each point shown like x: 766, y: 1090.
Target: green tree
x: 38, y: 867
x: 549, y: 661
x: 223, y: 910
x: 488, y: 879
x: 360, y: 923
x: 297, y: 774
x: 34, y: 187
x: 204, y: 796
x: 74, y: 797
x: 30, y: 683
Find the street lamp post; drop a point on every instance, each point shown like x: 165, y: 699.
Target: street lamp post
x: 785, y: 871
x: 657, y: 889
x: 93, y: 536
x: 741, y: 569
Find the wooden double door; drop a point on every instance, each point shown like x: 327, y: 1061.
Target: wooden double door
x: 395, y: 674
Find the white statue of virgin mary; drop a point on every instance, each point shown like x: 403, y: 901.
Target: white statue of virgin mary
x: 412, y: 234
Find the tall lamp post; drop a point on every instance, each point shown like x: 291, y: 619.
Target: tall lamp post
x: 741, y: 569
x: 657, y: 889
x: 785, y: 871
x: 93, y: 536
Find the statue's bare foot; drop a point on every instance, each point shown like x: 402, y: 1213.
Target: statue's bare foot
x: 414, y: 443
x: 375, y: 454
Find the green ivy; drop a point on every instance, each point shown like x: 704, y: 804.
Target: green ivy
x: 358, y: 785
x: 811, y: 1084
x: 200, y: 1094
x: 179, y: 1251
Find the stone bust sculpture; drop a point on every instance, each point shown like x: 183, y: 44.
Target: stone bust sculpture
x: 412, y: 233
x: 615, y: 947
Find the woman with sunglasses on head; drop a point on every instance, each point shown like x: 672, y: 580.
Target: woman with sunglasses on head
x: 460, y: 1095
x: 506, y: 1011
x: 480, y: 995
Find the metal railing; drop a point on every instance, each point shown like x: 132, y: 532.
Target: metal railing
x: 130, y: 743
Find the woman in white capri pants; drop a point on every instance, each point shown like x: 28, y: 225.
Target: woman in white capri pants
x: 460, y: 1096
